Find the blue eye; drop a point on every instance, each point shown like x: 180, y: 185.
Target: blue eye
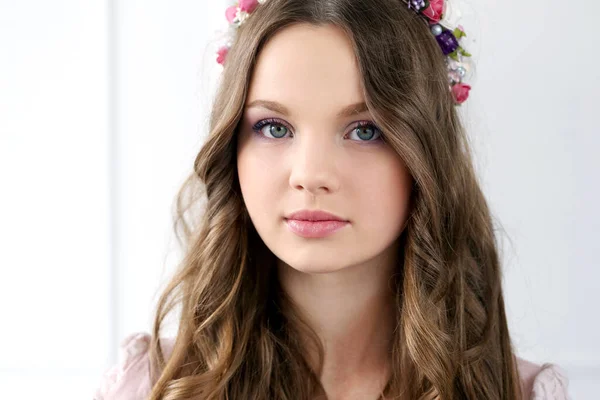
x: 365, y: 132
x: 276, y: 130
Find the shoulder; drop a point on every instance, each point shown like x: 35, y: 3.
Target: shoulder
x: 542, y: 382
x: 129, y: 378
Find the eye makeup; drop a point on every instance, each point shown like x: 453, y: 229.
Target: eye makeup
x: 258, y: 127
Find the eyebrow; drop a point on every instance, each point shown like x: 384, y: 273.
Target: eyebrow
x: 348, y: 111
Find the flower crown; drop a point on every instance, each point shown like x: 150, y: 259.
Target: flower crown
x: 437, y: 13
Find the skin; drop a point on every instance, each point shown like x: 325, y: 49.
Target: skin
x: 340, y: 282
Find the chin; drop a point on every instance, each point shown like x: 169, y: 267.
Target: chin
x: 314, y: 269
x: 312, y: 263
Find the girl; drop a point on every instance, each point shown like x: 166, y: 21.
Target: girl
x: 345, y: 249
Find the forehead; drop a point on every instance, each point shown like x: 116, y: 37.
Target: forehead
x: 308, y: 68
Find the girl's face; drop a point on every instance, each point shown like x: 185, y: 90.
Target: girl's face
x: 306, y: 143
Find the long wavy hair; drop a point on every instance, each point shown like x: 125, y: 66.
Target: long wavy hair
x: 239, y: 335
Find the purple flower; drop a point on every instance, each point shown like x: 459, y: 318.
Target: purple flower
x: 447, y: 42
x: 416, y: 4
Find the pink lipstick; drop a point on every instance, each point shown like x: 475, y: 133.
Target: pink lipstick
x: 314, y: 224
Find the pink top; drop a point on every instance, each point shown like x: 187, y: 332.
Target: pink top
x: 129, y: 378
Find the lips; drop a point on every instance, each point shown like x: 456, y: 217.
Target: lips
x: 314, y: 215
x: 315, y: 224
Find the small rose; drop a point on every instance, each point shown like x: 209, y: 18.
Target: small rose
x: 434, y: 11
x: 248, y: 5
x: 460, y: 91
x: 222, y: 54
x: 230, y: 13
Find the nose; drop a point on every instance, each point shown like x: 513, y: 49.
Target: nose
x: 314, y: 165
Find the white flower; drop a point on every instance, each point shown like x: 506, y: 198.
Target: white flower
x: 240, y: 17
x: 452, y: 15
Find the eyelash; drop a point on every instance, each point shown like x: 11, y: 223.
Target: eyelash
x: 271, y: 121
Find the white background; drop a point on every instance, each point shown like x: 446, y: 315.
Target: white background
x: 104, y: 104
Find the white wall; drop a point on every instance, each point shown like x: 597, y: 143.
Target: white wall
x: 534, y: 120
x: 103, y: 106
x: 54, y: 198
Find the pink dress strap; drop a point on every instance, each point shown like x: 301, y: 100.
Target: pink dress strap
x: 129, y: 378
x: 543, y: 382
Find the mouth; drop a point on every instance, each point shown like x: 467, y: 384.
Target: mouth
x: 314, y: 216
x: 315, y: 224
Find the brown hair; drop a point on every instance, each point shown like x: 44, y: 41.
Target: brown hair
x: 235, y: 342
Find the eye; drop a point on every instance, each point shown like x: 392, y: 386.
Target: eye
x: 271, y: 128
x: 365, y: 132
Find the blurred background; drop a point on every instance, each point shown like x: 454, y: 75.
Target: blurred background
x: 104, y: 104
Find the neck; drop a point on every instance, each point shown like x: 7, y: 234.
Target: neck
x: 352, y: 311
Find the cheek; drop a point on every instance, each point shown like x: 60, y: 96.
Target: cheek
x: 258, y: 179
x: 384, y: 195
x: 250, y: 179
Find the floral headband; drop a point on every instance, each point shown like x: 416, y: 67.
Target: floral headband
x: 438, y: 14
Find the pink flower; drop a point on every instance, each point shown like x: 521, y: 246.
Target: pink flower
x: 248, y: 5
x: 434, y: 11
x: 222, y: 54
x: 230, y: 13
x: 460, y: 91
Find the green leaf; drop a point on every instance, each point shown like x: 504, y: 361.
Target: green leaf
x: 463, y: 52
x: 453, y: 56
x: 458, y: 33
